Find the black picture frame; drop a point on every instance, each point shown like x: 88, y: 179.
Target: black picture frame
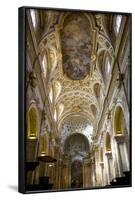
x: 22, y: 101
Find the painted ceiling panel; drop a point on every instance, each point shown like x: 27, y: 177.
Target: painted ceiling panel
x: 76, y: 46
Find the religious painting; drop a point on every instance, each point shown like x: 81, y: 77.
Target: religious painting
x: 74, y: 99
x: 76, y: 46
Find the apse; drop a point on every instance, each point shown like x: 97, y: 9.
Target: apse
x: 76, y: 147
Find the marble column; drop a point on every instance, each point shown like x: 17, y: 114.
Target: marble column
x: 66, y: 173
x: 31, y: 146
x: 109, y: 167
x: 57, y: 168
x: 93, y: 174
x: 58, y: 175
x: 122, y: 153
x: 102, y: 173
x: 51, y: 172
x: 32, y: 176
x: 97, y: 169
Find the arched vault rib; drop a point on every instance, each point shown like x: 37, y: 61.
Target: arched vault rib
x: 83, y: 114
x: 76, y: 124
x: 74, y: 93
x: 79, y: 104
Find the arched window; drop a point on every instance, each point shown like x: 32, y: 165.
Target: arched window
x: 97, y: 89
x: 108, y: 142
x: 122, y: 142
x: 51, y: 95
x: 101, y: 155
x: 119, y: 122
x: 55, y: 115
x: 44, y: 65
x: 33, y: 17
x: 94, y: 110
x: 44, y: 146
x: 107, y: 67
x: 104, y: 63
x: 32, y: 124
x: 56, y: 89
x: 60, y: 109
x: 118, y: 19
x: 52, y: 58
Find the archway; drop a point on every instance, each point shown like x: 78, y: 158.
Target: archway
x: 121, y: 141
x: 101, y: 166
x: 119, y: 123
x: 108, y: 159
x: 97, y: 91
x: 44, y: 145
x: 101, y: 156
x: 94, y: 110
x: 32, y: 123
x: 32, y: 138
x: 56, y: 89
x: 76, y: 148
x: 76, y: 174
x: 108, y: 143
x: 104, y: 64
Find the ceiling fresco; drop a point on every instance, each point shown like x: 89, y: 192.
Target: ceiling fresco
x: 76, y: 47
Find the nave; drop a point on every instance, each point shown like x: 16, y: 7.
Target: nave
x: 78, y: 100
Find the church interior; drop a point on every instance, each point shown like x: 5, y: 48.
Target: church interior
x: 77, y: 99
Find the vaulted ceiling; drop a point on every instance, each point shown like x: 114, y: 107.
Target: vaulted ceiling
x: 73, y: 47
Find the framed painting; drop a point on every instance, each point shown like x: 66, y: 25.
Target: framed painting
x: 74, y: 99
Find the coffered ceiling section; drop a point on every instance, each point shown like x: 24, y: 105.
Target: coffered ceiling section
x: 76, y: 123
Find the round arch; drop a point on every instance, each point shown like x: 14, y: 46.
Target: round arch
x: 89, y: 17
x: 52, y: 57
x: 94, y: 110
x: 97, y: 90
x: 76, y: 142
x: 104, y: 63
x: 33, y: 123
x: 51, y: 94
x: 101, y: 155
x: 56, y: 89
x: 119, y: 121
x: 44, y: 64
x: 108, y: 142
x: 44, y: 146
x: 120, y: 130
